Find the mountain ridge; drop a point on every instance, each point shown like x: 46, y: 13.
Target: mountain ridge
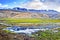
x: 29, y: 13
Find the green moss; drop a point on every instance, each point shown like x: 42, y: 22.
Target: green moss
x: 7, y: 31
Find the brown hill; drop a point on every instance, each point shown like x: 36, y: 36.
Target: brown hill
x: 17, y: 14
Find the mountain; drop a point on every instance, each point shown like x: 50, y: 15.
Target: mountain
x: 51, y: 13
x: 7, y: 13
x: 38, y: 11
x: 20, y: 9
x: 28, y: 13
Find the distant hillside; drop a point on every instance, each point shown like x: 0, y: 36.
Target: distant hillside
x: 17, y: 14
x: 51, y: 13
x: 28, y: 13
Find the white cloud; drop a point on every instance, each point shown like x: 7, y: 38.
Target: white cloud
x: 58, y: 9
x: 37, y: 4
x: 3, y: 6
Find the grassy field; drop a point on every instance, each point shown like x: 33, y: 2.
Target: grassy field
x: 30, y: 20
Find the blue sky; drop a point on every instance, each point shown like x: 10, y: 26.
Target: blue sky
x: 31, y: 4
x: 11, y: 1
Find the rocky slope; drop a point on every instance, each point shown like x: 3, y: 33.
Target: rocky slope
x: 10, y: 36
x: 18, y: 14
x: 28, y: 13
x: 51, y: 13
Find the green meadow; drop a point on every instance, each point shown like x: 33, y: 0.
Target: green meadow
x: 30, y: 20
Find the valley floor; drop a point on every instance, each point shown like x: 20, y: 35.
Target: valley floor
x: 29, y: 21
